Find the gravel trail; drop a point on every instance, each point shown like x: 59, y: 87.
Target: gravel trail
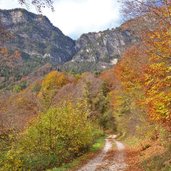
x: 103, y: 163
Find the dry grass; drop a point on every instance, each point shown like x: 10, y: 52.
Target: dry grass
x: 133, y: 159
x: 142, y: 152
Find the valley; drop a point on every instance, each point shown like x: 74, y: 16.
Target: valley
x: 99, y: 103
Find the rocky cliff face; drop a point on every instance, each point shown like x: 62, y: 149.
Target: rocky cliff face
x: 36, y: 36
x: 100, y: 50
x: 103, y: 46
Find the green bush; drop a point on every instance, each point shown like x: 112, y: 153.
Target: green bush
x: 57, y: 136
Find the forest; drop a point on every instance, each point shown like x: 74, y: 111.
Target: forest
x: 57, y: 120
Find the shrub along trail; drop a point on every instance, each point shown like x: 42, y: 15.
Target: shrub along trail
x: 105, y: 163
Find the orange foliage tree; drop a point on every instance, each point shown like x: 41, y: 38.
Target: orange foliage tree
x: 155, y: 36
x: 158, y: 75
x: 126, y: 92
x: 50, y: 85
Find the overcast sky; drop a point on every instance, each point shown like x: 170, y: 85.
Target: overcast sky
x: 75, y: 17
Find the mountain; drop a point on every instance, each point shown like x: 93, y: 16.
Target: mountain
x: 34, y: 35
x: 41, y: 44
x: 36, y: 40
x: 101, y: 50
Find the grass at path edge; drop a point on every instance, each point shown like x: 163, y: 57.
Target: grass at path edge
x: 76, y: 163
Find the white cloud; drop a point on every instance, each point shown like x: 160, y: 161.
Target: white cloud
x: 75, y: 17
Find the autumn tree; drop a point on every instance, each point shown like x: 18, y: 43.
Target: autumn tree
x: 158, y: 76
x: 126, y: 92
x: 155, y: 40
x: 50, y: 85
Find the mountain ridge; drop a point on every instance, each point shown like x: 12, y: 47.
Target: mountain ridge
x: 40, y: 42
x: 101, y: 50
x: 119, y: 37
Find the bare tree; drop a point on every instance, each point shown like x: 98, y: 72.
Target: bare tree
x: 151, y: 8
x: 134, y: 8
x: 39, y: 4
x: 146, y: 15
x: 147, y: 19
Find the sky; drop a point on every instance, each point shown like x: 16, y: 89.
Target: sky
x: 75, y: 17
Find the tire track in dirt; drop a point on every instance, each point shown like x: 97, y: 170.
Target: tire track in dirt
x: 103, y: 163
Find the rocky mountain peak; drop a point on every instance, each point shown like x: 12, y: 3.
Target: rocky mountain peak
x: 35, y: 35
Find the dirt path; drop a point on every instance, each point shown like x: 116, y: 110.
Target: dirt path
x: 108, y: 160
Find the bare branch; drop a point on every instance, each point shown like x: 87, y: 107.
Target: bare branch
x: 39, y: 4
